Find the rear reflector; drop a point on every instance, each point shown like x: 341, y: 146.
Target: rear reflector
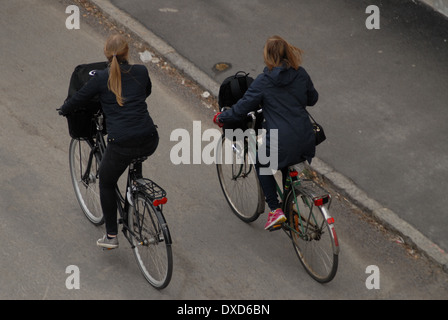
x: 158, y: 202
x: 321, y: 201
x: 335, y: 237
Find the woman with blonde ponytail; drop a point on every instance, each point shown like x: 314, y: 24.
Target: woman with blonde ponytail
x: 284, y: 90
x: 122, y: 89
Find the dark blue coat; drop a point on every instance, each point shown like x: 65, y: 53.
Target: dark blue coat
x: 283, y: 93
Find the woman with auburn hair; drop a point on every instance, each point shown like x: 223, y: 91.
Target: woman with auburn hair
x: 122, y: 89
x: 284, y: 89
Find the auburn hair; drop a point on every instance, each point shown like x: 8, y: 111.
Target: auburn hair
x: 278, y: 52
x: 116, y: 51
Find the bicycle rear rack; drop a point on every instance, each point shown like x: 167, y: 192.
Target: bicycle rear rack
x: 319, y: 195
x: 156, y: 193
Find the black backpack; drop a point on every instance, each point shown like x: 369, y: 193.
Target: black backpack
x: 80, y: 123
x: 82, y: 74
x: 231, y: 90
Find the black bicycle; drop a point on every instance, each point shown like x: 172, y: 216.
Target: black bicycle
x: 140, y: 207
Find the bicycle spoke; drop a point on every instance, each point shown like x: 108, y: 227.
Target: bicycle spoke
x: 84, y: 173
x: 238, y: 180
x: 153, y: 253
x: 311, y: 237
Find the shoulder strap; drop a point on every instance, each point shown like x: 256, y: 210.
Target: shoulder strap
x: 235, y: 87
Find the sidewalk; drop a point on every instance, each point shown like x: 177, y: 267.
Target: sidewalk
x: 399, y: 174
x: 438, y: 5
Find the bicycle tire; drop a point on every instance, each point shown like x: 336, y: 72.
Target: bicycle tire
x: 87, y: 188
x: 239, y: 181
x: 151, y: 241
x: 313, y: 237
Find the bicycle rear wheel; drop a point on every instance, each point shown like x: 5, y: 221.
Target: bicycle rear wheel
x: 152, y: 241
x: 313, y: 236
x: 238, y: 180
x: 84, y: 166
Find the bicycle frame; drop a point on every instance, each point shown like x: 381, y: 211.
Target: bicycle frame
x: 294, y: 183
x: 318, y: 200
x: 152, y: 191
x: 306, y: 206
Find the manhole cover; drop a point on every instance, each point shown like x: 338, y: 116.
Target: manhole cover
x: 221, y: 66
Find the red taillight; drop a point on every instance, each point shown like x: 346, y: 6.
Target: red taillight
x: 293, y: 173
x: 158, y: 202
x: 320, y: 201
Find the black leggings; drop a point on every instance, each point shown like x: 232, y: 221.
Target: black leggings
x: 115, y: 161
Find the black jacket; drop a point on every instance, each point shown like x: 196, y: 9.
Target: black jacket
x: 284, y: 94
x: 129, y: 122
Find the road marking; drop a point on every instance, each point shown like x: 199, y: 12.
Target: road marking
x: 168, y: 10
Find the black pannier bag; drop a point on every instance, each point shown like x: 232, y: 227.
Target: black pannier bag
x: 81, y: 124
x: 231, y: 90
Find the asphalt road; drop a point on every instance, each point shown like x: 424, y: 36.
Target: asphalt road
x: 216, y: 256
x: 383, y: 98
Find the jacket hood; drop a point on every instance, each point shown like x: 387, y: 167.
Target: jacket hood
x: 281, y: 76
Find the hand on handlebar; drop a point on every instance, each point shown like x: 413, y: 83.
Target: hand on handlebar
x: 60, y: 112
x: 217, y: 121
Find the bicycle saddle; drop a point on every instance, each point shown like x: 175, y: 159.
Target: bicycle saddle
x: 138, y: 160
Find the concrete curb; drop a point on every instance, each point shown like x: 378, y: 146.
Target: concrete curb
x: 346, y: 187
x: 385, y: 216
x: 440, y: 6
x: 163, y: 49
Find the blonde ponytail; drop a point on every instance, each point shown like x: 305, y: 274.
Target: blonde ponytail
x: 114, y: 82
x: 116, y: 50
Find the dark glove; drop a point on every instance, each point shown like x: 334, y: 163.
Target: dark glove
x: 60, y: 112
x: 217, y: 121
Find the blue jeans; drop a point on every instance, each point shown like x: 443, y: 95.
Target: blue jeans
x: 115, y: 161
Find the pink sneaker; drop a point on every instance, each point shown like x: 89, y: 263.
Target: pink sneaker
x: 274, y: 218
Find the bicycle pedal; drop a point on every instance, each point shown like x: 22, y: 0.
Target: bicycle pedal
x: 276, y: 227
x: 108, y: 249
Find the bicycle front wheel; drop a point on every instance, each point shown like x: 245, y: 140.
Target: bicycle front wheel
x: 152, y: 241
x: 84, y: 167
x: 239, y: 181
x: 313, y: 236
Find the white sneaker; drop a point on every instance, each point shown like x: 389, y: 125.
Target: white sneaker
x: 107, y: 243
